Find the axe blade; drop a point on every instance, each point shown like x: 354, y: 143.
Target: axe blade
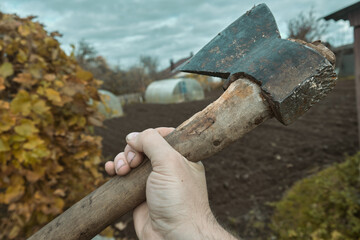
x: 225, y: 53
x: 291, y: 75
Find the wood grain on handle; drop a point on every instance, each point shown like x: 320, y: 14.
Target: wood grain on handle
x: 239, y: 109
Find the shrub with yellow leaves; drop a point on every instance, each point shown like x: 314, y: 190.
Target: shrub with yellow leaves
x: 48, y: 155
x: 325, y: 206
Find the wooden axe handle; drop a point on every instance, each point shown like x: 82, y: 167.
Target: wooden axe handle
x: 239, y: 109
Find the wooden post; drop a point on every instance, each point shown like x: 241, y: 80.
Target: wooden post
x: 357, y: 74
x: 354, y: 18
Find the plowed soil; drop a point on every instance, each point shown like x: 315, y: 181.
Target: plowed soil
x: 260, y: 167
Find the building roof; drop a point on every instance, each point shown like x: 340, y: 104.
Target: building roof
x: 343, y: 14
x: 170, y: 71
x: 343, y: 48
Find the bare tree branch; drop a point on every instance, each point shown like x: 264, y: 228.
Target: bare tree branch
x: 307, y: 27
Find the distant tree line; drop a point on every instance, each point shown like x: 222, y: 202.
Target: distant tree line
x: 116, y: 80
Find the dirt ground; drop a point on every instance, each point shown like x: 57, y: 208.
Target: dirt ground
x: 260, y: 167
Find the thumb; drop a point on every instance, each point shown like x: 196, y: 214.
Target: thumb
x: 155, y: 147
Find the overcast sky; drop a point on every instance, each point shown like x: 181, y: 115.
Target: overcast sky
x: 123, y: 30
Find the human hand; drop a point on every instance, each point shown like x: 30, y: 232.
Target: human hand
x: 177, y: 204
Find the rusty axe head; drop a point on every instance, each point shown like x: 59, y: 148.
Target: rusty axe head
x: 292, y: 75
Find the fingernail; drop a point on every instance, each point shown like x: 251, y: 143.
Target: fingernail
x: 130, y: 156
x: 132, y: 135
x: 120, y: 163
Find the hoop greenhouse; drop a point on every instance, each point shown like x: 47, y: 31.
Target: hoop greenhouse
x: 174, y: 91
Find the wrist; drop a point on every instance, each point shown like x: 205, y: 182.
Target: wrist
x: 212, y: 230
x: 204, y: 227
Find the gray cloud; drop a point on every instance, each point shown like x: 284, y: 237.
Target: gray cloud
x: 122, y: 30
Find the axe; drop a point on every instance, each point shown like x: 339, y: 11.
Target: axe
x: 266, y: 76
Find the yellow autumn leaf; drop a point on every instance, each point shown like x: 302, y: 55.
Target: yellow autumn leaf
x: 33, y: 142
x: 107, y: 232
x: 53, y: 95
x: 59, y: 203
x: 81, y: 121
x: 17, y: 180
x: 21, y: 155
x: 4, y: 105
x: 4, y: 146
x: 12, y: 207
x: 121, y: 225
x: 21, y: 57
x: 83, y: 75
x: 72, y: 89
x: 6, y: 69
x: 2, y: 83
x: 33, y: 176
x: 39, y: 152
x: 35, y: 71
x: 41, y: 218
x: 59, y: 192
x: 14, y: 232
x: 58, y: 168
x: 88, y: 164
x: 96, y: 160
x: 335, y: 235
x: 40, y: 90
x: 81, y: 154
x: 21, y: 103
x: 13, y: 193
x: 26, y: 128
x: 59, y: 84
x: 24, y: 30
x: 39, y: 106
x: 73, y: 120
x: 25, y: 78
x: 98, y: 82
x: 17, y: 138
x: 95, y: 121
x: 54, y: 54
x: 49, y: 77
x: 38, y: 195
x: 95, y: 172
x: 7, y: 122
x: 292, y: 233
x: 51, y: 42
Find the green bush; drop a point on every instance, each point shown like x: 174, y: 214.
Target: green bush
x: 324, y: 206
x: 48, y: 156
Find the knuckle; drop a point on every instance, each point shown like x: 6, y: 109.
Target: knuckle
x: 148, y: 133
x: 128, y: 148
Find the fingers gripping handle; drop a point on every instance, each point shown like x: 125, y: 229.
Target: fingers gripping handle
x: 238, y: 110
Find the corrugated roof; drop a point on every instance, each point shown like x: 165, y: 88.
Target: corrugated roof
x: 343, y: 14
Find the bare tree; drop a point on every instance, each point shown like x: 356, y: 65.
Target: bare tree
x: 115, y: 80
x: 150, y: 65
x: 306, y: 27
x: 85, y: 53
